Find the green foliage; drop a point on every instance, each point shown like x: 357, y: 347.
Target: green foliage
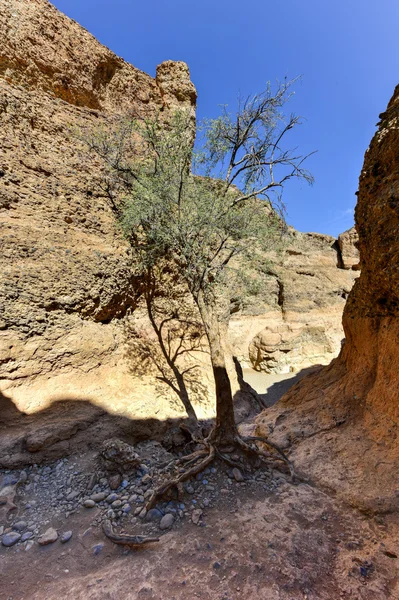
x: 172, y: 207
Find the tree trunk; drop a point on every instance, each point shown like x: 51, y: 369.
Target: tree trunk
x: 225, y: 430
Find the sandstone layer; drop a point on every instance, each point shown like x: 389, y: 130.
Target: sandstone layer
x: 67, y: 289
x: 342, y: 422
x: 293, y: 320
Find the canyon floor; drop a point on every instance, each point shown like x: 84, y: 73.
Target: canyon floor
x: 260, y: 537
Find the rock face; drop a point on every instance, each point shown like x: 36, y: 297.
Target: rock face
x: 67, y: 283
x: 342, y: 422
x: 347, y: 243
x: 295, y: 321
x: 66, y: 276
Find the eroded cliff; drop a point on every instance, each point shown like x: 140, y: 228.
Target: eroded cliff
x: 67, y: 285
x: 342, y: 422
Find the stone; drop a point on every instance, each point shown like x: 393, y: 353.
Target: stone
x: 116, y: 504
x: 20, y: 526
x: 111, y: 498
x: 26, y: 536
x: 49, y: 537
x: 28, y: 545
x: 115, y: 481
x: 97, y: 549
x: 126, y: 508
x: 92, y: 481
x: 23, y: 477
x: 11, y: 538
x: 153, y: 515
x: 166, y: 521
x: 196, y: 516
x: 119, y: 457
x: 73, y: 495
x: 65, y: 537
x: 99, y: 497
x: 238, y: 476
x: 89, y: 503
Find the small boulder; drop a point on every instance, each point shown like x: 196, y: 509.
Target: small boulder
x: 20, y: 526
x: 153, y: 515
x: 66, y: 536
x: 99, y: 497
x: 9, y: 539
x: 196, y: 516
x: 49, y: 537
x: 166, y: 521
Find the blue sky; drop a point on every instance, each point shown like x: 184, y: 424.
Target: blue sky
x: 346, y: 51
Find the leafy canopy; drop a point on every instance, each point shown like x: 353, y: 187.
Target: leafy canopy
x: 202, y: 206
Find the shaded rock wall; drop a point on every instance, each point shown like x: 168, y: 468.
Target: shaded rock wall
x: 342, y: 423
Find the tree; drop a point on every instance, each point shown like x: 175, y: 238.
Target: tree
x: 200, y: 208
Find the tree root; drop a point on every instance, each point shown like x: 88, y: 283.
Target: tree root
x: 124, y: 539
x: 261, y: 453
x: 184, y: 476
x: 213, y: 449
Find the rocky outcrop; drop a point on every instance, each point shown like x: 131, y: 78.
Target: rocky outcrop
x: 43, y: 50
x: 66, y: 270
x: 342, y: 422
x: 294, y: 321
x: 67, y: 285
x: 347, y: 243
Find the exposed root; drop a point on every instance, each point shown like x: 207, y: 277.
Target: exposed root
x: 124, y: 539
x: 200, y: 459
x: 197, y: 468
x: 262, y: 453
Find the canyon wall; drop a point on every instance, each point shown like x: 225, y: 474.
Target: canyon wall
x: 67, y: 287
x: 341, y: 423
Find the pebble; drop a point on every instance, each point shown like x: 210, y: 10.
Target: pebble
x: 116, y: 504
x: 72, y: 495
x: 66, y: 536
x: 126, y: 508
x: 196, y: 516
x: 23, y: 476
x: 238, y: 476
x: 99, y: 497
x: 92, y: 481
x: 97, y: 549
x: 2, y: 530
x: 29, y: 545
x: 146, y: 479
x: 115, y: 481
x: 49, y: 537
x: 111, y: 498
x: 20, y: 526
x: 89, y: 503
x: 166, y: 521
x: 9, y: 539
x: 26, y: 536
x: 153, y: 515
